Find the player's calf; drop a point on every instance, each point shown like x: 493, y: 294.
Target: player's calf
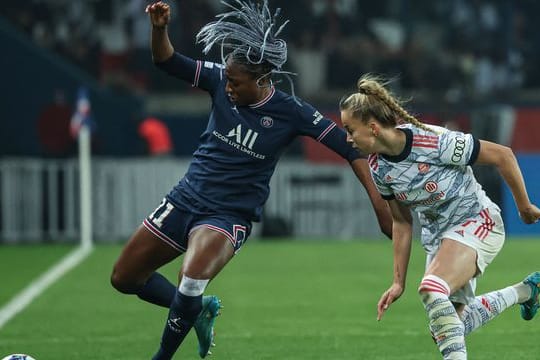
x: 444, y: 323
x: 184, y: 310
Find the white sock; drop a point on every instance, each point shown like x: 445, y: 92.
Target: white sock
x: 444, y: 322
x: 486, y: 307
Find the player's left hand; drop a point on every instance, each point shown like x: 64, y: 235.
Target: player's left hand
x: 530, y: 215
x: 387, y: 298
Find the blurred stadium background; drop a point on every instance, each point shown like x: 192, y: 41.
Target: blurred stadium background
x: 470, y: 65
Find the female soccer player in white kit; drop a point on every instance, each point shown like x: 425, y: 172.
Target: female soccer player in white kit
x: 427, y: 169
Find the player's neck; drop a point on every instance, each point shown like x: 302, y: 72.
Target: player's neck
x: 393, y: 142
x: 264, y: 92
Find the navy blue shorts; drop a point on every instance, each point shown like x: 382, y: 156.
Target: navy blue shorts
x: 173, y: 224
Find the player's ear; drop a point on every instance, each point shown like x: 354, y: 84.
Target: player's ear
x: 374, y: 127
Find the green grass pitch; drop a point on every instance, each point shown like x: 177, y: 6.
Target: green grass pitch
x: 283, y: 300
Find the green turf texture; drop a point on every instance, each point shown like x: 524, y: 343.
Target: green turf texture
x: 283, y: 300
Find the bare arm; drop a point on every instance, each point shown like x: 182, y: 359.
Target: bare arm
x: 382, y: 211
x: 402, y: 239
x: 503, y: 159
x: 160, y: 15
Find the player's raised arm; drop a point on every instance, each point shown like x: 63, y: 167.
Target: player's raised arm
x: 160, y: 14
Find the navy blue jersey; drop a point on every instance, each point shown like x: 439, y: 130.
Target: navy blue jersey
x: 231, y: 169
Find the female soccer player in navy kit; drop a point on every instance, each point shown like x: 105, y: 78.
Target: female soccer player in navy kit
x: 208, y: 215
x: 426, y: 168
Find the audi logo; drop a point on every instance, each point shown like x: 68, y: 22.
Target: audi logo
x: 459, y: 150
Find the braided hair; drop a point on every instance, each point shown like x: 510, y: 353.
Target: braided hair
x: 374, y: 100
x: 248, y: 34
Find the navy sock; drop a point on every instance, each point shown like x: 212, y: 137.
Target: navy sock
x: 157, y: 290
x: 182, y: 315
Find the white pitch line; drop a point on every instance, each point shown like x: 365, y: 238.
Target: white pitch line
x: 38, y: 286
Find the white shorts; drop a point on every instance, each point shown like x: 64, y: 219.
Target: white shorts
x: 485, y: 234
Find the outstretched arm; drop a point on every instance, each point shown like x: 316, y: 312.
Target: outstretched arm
x: 361, y: 169
x: 401, y: 239
x: 160, y: 15
x: 502, y: 157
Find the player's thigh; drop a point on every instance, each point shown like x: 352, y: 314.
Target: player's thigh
x: 455, y: 262
x: 207, y: 253
x: 142, y: 255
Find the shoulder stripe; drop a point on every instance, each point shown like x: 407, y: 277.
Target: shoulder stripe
x: 326, y: 131
x: 424, y: 145
x: 373, y: 161
x: 426, y: 141
x: 197, y: 74
x: 435, y: 137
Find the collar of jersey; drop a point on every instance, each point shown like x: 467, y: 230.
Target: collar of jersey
x: 406, y: 150
x: 265, y: 100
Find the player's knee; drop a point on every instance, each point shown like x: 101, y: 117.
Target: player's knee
x: 123, y: 283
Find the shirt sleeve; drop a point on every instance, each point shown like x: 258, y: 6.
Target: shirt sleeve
x: 205, y: 75
x: 457, y: 148
x: 385, y: 190
x: 315, y: 125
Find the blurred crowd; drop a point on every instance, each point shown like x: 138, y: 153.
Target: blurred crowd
x: 481, y: 48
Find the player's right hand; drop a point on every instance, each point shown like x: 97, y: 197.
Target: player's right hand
x: 159, y: 13
x: 387, y: 298
x: 530, y: 215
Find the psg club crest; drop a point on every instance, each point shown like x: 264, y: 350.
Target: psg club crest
x: 267, y: 122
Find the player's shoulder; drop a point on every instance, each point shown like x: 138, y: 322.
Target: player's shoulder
x: 286, y: 99
x: 292, y: 105
x: 431, y: 131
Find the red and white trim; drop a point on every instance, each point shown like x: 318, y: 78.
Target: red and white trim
x: 432, y: 283
x: 426, y: 141
x: 154, y: 230
x: 373, y: 161
x: 486, y: 303
x: 265, y: 100
x: 485, y: 228
x: 228, y: 235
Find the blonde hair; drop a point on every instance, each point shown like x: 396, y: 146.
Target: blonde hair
x: 374, y: 100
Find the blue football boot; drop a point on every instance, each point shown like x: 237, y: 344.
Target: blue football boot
x: 204, y: 325
x: 530, y: 307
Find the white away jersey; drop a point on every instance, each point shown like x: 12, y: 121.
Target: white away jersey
x: 433, y: 177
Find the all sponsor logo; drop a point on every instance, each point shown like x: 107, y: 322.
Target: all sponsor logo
x: 431, y: 186
x: 246, y: 138
x: 241, y: 139
x: 459, y: 149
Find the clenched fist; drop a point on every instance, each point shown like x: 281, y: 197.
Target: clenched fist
x: 160, y: 14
